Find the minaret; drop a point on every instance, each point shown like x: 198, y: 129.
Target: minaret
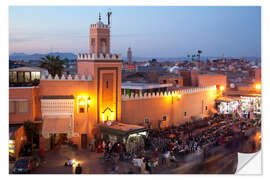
x: 129, y: 56
x: 99, y: 41
x: 105, y: 70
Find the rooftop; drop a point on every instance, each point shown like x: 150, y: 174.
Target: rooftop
x: 129, y: 85
x: 26, y: 69
x: 122, y: 128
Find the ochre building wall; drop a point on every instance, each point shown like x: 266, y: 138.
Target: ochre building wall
x: 210, y: 80
x: 18, y: 94
x: 135, y: 111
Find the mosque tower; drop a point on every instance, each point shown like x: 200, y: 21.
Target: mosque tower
x: 105, y: 69
x: 129, y: 56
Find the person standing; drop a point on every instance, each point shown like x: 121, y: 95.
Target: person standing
x: 93, y: 145
x: 41, y: 154
x: 78, y: 169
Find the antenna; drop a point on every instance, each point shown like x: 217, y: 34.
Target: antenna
x: 109, y: 13
x: 99, y: 16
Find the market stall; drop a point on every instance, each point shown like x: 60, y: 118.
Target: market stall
x: 132, y: 136
x: 226, y: 105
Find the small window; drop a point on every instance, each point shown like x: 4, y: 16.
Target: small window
x: 164, y: 81
x: 176, y: 81
x: 20, y: 77
x: 146, y: 120
x: 35, y: 75
x: 185, y: 114
x: 164, y: 118
x: 107, y: 84
x: 81, y: 109
x: 11, y: 106
x: 206, y: 108
x: 22, y: 106
x: 27, y: 76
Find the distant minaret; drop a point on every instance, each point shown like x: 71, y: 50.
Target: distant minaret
x: 129, y: 56
x: 223, y: 58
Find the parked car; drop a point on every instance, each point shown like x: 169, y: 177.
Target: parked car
x: 25, y: 165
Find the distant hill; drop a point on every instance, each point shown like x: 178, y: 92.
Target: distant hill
x: 37, y: 56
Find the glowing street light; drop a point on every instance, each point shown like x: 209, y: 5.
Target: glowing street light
x: 222, y: 88
x: 179, y: 96
x: 258, y: 86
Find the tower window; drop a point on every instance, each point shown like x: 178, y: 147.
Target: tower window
x: 107, y: 84
x: 185, y: 114
x: 103, y: 46
x: 93, y: 45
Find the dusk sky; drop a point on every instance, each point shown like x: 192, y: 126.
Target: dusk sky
x: 149, y: 31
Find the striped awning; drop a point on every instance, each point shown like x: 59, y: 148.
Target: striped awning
x: 57, y: 124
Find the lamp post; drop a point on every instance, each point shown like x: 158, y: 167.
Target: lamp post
x: 88, y: 103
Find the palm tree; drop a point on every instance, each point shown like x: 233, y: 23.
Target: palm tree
x: 54, y: 65
x: 188, y: 56
x: 199, y: 54
x: 192, y: 57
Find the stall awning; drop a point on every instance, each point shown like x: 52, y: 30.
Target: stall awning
x: 213, y: 110
x: 122, y: 129
x: 57, y: 124
x: 225, y: 99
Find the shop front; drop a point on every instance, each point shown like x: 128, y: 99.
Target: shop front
x: 244, y: 106
x: 227, y: 105
x: 58, y: 120
x: 251, y: 104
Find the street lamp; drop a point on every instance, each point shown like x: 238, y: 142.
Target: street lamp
x: 222, y: 88
x: 258, y: 86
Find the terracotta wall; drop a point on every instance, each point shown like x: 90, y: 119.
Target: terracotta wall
x: 28, y: 94
x: 194, y: 77
x: 258, y: 75
x: 83, y: 122
x: 98, y: 34
x: 171, y: 80
x: 186, y: 78
x: 209, y: 80
x: 135, y: 111
x: 19, y: 140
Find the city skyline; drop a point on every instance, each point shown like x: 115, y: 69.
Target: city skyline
x: 232, y: 31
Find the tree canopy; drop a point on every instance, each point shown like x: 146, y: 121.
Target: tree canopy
x: 54, y: 65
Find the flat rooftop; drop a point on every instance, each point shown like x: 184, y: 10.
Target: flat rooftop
x: 130, y: 85
x: 122, y: 128
x: 126, y: 127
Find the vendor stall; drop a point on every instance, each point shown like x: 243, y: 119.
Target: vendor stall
x: 226, y: 105
x: 132, y: 136
x: 251, y: 104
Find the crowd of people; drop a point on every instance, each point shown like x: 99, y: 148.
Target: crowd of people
x: 216, y: 130
x: 167, y: 145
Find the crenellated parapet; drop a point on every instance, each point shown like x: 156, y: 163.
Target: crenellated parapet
x: 67, y: 78
x: 99, y: 25
x: 167, y: 94
x: 94, y: 56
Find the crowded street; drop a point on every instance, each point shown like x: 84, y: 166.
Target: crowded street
x: 209, y: 145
